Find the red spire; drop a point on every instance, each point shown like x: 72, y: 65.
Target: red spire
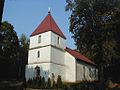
x: 48, y: 24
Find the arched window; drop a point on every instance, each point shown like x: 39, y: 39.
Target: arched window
x: 37, y: 71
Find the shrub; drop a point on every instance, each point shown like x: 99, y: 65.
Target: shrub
x: 49, y: 83
x: 43, y: 84
x: 39, y: 82
x: 29, y: 82
x: 59, y: 82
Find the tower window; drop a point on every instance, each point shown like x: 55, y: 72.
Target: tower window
x: 38, y: 54
x: 58, y: 40
x: 39, y: 39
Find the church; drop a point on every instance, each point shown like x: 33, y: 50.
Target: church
x: 49, y: 56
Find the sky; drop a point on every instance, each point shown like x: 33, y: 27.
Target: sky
x: 26, y: 15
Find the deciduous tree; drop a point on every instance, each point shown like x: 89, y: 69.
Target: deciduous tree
x: 9, y: 46
x: 95, y: 28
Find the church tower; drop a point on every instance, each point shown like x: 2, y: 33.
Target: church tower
x: 46, y: 51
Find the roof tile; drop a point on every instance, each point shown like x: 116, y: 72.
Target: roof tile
x: 79, y: 56
x: 48, y: 24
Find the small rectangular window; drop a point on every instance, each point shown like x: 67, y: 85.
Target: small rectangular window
x: 39, y: 39
x: 58, y: 40
x: 38, y: 54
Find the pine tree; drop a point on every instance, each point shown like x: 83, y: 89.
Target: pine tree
x: 49, y: 83
x: 59, y: 82
x: 39, y: 82
x: 43, y: 84
x: 53, y: 84
x: 33, y: 84
x: 29, y: 82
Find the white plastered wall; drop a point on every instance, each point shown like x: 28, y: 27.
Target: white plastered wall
x: 57, y: 69
x: 44, y: 70
x: 45, y: 40
x: 54, y: 40
x: 57, y: 56
x: 45, y: 55
x: 70, y: 71
x: 85, y: 71
x: 80, y: 72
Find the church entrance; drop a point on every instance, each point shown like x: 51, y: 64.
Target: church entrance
x: 37, y: 71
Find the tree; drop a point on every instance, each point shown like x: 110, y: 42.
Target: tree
x: 1, y: 9
x: 49, y: 83
x: 24, y: 47
x: 54, y: 84
x: 59, y: 82
x: 9, y: 45
x: 23, y: 55
x: 29, y: 83
x: 9, y: 41
x: 53, y: 81
x: 95, y: 28
x: 43, y: 84
x: 24, y: 41
x: 39, y: 81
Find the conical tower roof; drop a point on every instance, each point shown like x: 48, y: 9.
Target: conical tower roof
x: 48, y: 24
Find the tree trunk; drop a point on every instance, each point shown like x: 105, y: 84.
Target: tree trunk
x: 1, y: 9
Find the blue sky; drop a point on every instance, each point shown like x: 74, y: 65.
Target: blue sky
x: 26, y: 15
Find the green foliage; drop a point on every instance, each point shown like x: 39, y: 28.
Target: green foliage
x: 40, y: 82
x: 23, y: 53
x: 9, y: 43
x: 24, y: 47
x: 43, y: 84
x: 9, y: 47
x: 24, y: 41
x: 49, y: 83
x: 34, y: 83
x: 29, y: 82
x: 13, y: 50
x: 54, y: 84
x: 95, y: 28
x: 59, y: 82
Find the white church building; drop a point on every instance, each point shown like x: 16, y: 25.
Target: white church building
x: 48, y: 55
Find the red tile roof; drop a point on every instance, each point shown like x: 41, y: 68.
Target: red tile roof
x: 79, y: 56
x: 48, y: 24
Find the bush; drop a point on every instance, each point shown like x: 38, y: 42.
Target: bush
x: 29, y: 82
x: 49, y: 83
x: 39, y: 82
x: 59, y: 82
x: 54, y: 84
x: 43, y: 84
x: 34, y: 83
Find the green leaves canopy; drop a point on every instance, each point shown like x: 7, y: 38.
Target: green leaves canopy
x: 95, y: 28
x: 9, y: 43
